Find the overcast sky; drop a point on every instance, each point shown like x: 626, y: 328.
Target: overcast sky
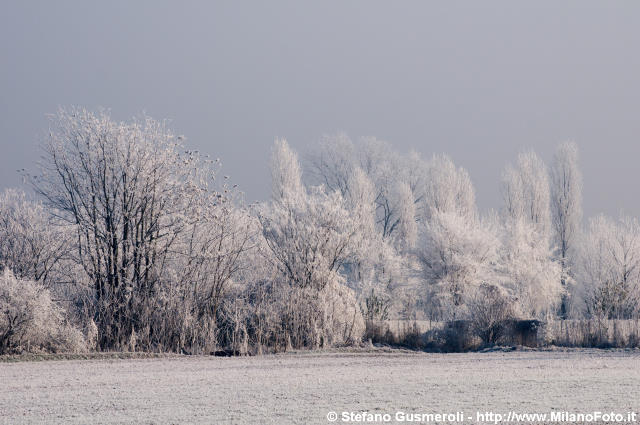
x: 480, y: 81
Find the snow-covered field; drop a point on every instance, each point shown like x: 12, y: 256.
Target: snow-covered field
x: 304, y: 388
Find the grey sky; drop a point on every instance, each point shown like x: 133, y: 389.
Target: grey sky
x: 477, y: 80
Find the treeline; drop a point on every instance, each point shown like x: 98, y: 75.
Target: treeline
x: 132, y: 242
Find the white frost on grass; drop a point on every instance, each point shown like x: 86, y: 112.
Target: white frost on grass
x: 302, y: 388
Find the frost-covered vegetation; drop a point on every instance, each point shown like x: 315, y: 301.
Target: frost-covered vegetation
x: 131, y: 242
x: 303, y: 388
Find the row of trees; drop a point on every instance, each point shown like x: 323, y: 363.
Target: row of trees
x: 139, y: 244
x: 534, y: 252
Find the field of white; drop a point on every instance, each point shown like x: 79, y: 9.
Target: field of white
x: 303, y: 388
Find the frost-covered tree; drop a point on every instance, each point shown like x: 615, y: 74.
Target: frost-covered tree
x: 526, y: 192
x: 286, y: 174
x: 566, y: 197
x: 566, y: 206
x: 527, y: 260
x: 395, y: 185
x: 376, y: 268
x: 360, y: 200
x: 132, y: 194
x: 448, y: 189
x: 457, y: 254
x: 310, y: 236
x: 381, y: 163
x: 333, y: 163
x: 207, y: 260
x: 337, y: 157
x: 453, y: 248
x: 32, y: 242
x: 609, y: 268
x: 529, y: 274
x: 407, y: 232
x: 360, y: 204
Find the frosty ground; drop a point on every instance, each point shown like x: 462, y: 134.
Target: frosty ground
x: 304, y: 387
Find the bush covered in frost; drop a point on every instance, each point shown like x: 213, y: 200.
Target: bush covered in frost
x: 31, y: 321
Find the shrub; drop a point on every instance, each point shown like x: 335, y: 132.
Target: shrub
x: 489, y: 309
x: 277, y: 316
x: 319, y: 318
x: 31, y: 321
